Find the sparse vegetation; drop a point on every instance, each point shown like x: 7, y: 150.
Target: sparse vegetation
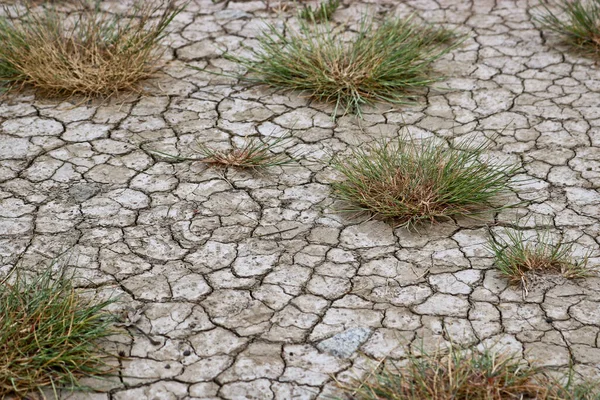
x: 467, y: 375
x: 520, y: 259
x: 96, y: 54
x: 410, y: 182
x: 253, y: 154
x: 578, y: 21
x: 321, y: 12
x: 48, y: 334
x: 385, y: 61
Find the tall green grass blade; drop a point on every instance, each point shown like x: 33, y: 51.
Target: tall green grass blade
x: 48, y: 333
x: 577, y: 21
x: 410, y: 182
x: 387, y: 61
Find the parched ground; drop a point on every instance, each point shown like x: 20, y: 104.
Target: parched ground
x: 249, y: 285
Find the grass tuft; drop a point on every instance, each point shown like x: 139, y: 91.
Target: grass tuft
x: 521, y: 259
x: 466, y: 375
x: 577, y: 21
x: 384, y: 62
x: 97, y: 54
x: 48, y: 334
x: 409, y: 182
x: 253, y: 154
x: 322, y: 12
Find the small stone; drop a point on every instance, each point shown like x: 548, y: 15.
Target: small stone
x: 344, y: 344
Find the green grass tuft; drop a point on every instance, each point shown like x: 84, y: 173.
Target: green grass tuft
x: 466, y: 375
x: 520, y: 259
x: 409, y: 182
x: 322, y: 12
x: 386, y: 61
x: 577, y: 21
x: 48, y: 334
x: 97, y: 54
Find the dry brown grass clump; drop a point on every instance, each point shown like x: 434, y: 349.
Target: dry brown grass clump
x: 410, y: 182
x: 92, y: 54
x: 387, y: 61
x: 252, y: 154
x: 521, y: 260
x: 467, y: 375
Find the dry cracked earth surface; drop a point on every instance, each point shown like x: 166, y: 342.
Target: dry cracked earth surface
x: 249, y: 285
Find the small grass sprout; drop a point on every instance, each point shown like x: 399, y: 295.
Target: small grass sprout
x: 321, y: 12
x: 96, y: 54
x: 386, y: 61
x: 578, y: 21
x: 48, y: 334
x: 465, y: 375
x: 410, y: 182
x: 253, y: 154
x: 521, y: 259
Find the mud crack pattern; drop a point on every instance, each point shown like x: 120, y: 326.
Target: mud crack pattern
x: 249, y: 285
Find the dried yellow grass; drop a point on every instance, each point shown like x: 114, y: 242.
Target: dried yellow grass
x: 92, y: 54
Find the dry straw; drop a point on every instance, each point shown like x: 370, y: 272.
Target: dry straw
x: 91, y: 54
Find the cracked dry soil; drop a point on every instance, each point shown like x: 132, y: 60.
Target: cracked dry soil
x: 249, y: 285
